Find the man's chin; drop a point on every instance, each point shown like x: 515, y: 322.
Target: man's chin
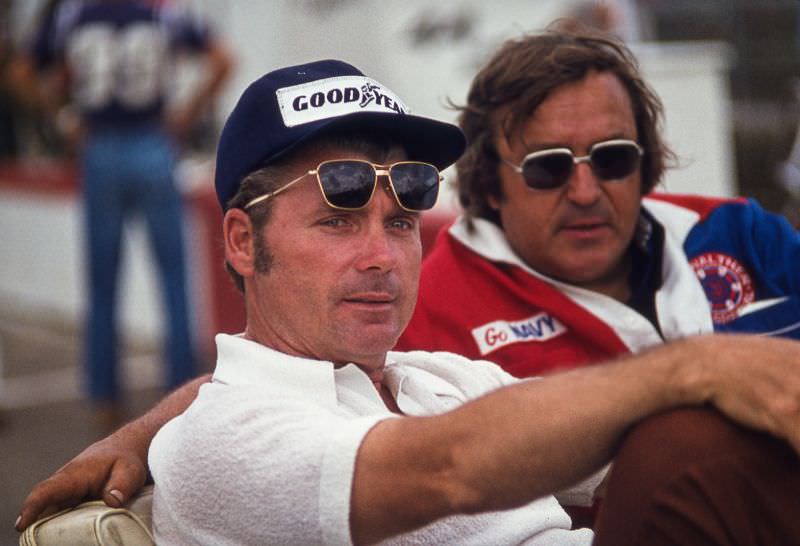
x: 587, y: 273
x: 372, y: 338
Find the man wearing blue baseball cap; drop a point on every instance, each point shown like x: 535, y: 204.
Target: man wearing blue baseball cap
x: 314, y: 432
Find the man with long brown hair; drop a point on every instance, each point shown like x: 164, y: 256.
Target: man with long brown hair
x: 565, y: 255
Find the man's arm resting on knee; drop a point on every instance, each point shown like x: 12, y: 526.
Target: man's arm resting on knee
x: 113, y: 468
x: 529, y: 440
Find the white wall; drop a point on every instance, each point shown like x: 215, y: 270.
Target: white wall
x: 692, y: 82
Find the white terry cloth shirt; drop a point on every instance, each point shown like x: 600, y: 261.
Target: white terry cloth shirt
x: 266, y: 453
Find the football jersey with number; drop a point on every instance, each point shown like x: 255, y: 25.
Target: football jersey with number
x: 724, y: 265
x: 119, y: 55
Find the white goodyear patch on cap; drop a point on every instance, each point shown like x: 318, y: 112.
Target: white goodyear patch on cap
x: 334, y: 97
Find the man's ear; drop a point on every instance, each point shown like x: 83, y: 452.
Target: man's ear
x: 237, y: 231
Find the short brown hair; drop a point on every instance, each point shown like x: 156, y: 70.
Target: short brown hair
x: 518, y: 78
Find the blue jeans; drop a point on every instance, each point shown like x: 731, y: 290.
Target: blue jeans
x: 129, y: 172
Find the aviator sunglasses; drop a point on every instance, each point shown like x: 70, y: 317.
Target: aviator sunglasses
x: 348, y: 184
x: 551, y: 169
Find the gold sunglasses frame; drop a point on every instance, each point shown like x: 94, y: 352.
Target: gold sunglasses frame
x: 379, y: 170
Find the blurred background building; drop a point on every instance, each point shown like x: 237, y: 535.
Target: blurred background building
x: 726, y: 70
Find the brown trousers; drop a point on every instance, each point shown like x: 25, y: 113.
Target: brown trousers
x: 692, y: 477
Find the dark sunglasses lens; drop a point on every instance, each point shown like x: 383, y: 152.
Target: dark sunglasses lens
x: 347, y: 184
x: 547, y: 171
x: 615, y: 161
x: 416, y: 185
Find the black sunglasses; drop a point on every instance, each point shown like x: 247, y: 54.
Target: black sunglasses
x: 550, y: 169
x: 348, y: 184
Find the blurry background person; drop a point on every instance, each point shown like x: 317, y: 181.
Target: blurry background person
x: 116, y: 57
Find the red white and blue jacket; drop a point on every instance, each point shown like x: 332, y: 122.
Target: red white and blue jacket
x: 725, y: 265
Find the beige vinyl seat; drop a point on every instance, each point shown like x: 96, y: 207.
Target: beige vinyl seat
x: 95, y: 524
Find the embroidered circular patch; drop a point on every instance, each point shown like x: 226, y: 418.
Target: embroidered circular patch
x: 726, y: 283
